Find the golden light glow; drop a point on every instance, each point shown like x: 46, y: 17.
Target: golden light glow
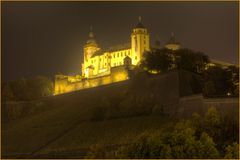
x: 100, y: 68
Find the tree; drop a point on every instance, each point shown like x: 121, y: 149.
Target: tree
x: 157, y: 60
x: 217, y: 81
x: 234, y: 80
x: 212, y: 123
x: 232, y: 151
x: 191, y: 60
x: 206, y: 147
x: 40, y: 87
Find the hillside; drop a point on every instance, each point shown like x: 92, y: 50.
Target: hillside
x: 67, y: 125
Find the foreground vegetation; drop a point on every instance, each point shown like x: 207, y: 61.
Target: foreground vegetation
x: 211, y: 136
x: 27, y: 89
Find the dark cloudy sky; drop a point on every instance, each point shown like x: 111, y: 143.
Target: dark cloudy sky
x: 44, y: 38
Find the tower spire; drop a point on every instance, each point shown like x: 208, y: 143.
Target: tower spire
x: 139, y: 19
x: 91, y: 35
x: 139, y: 25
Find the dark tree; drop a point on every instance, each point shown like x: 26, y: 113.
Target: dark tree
x: 158, y: 60
x: 217, y: 81
x: 191, y: 60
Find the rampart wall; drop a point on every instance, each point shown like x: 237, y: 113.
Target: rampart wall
x: 117, y: 74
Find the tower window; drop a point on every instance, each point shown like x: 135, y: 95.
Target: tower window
x: 136, y: 57
x: 118, y: 54
x: 121, y: 54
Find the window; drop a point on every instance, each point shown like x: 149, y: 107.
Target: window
x: 136, y: 57
x: 118, y: 54
x: 121, y: 54
x: 105, y: 64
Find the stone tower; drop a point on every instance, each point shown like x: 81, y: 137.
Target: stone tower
x: 139, y: 42
x: 89, y: 49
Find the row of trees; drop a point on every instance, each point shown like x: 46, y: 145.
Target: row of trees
x: 208, y: 136
x: 161, y: 60
x: 27, y: 89
x: 200, y: 137
x: 216, y: 81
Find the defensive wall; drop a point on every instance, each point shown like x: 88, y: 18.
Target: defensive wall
x: 116, y: 74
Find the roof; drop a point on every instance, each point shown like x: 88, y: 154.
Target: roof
x: 172, y: 40
x: 113, y: 49
x: 139, y: 25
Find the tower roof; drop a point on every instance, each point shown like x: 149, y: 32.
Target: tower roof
x: 91, y: 37
x: 139, y: 25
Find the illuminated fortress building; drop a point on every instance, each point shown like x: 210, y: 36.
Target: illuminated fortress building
x: 105, y: 66
x: 98, y: 62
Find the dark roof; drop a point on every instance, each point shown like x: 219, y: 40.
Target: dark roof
x: 113, y: 49
x: 119, y: 47
x: 99, y: 52
x: 139, y: 25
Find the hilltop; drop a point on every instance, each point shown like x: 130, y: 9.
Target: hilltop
x: 68, y: 124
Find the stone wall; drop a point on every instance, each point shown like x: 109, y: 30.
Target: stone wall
x: 197, y: 104
x: 62, y: 85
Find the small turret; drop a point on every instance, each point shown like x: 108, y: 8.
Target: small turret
x: 172, y: 43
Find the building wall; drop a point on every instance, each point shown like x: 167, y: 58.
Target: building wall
x: 197, y: 104
x: 63, y: 85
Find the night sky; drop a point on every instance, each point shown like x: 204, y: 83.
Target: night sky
x: 45, y: 38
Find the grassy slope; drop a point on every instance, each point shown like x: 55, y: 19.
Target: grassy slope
x: 66, y: 124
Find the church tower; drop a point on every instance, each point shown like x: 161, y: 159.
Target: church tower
x: 89, y: 49
x: 139, y: 42
x: 91, y: 46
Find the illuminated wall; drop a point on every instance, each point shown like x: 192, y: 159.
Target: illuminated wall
x: 63, y: 84
x: 173, y: 46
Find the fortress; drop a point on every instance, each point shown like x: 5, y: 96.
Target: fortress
x: 105, y: 66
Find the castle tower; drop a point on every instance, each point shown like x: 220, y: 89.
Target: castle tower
x: 172, y: 43
x: 91, y: 46
x: 139, y: 42
x: 89, y: 49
